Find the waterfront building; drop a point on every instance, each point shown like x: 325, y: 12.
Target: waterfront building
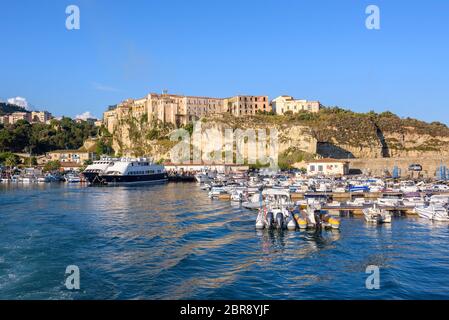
x: 283, y: 104
x: 72, y: 156
x: 71, y: 166
x: 328, y: 167
x: 247, y: 105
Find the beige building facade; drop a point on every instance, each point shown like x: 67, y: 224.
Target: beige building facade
x: 181, y: 110
x: 70, y: 156
x: 283, y: 104
x: 40, y: 116
x: 328, y: 167
x: 16, y: 116
x: 31, y: 117
x: 247, y: 105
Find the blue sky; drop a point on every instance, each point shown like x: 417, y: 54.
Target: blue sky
x: 308, y: 49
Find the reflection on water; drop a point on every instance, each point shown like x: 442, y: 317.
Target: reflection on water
x: 173, y: 242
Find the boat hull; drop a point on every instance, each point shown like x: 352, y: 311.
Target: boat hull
x: 94, y: 178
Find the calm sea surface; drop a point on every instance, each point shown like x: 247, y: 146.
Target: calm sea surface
x: 173, y: 242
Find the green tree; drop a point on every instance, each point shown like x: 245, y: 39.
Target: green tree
x: 12, y: 161
x: 52, y: 166
x: 104, y: 147
x: 5, y: 139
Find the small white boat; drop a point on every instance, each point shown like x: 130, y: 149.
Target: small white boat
x: 237, y: 196
x: 408, y: 186
x: 202, y: 177
x: 439, y: 199
x: 392, y: 202
x: 254, y: 202
x: 71, y: 178
x: 27, y: 180
x: 215, y: 192
x: 433, y: 212
x: 359, y: 202
x: 376, y: 215
x: 413, y: 202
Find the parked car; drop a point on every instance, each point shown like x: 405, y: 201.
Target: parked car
x: 415, y: 167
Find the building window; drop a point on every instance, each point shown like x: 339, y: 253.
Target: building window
x: 320, y: 168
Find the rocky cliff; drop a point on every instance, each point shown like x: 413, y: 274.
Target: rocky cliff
x: 333, y: 132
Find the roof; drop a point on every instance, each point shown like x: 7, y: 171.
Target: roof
x: 328, y: 160
x: 71, y: 165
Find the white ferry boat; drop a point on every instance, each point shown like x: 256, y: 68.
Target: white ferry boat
x: 112, y: 171
x: 98, y: 167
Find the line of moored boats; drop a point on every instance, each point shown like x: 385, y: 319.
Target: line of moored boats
x: 271, y: 194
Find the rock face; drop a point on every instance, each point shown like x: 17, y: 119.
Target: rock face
x: 332, y: 133
x: 132, y: 137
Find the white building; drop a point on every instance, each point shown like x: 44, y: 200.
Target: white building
x: 328, y: 167
x: 282, y: 104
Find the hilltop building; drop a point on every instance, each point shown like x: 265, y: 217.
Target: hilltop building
x: 16, y: 116
x: 31, y: 117
x: 282, y: 104
x: 247, y: 105
x: 181, y: 110
x: 40, y: 116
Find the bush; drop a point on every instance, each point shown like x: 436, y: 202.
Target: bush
x: 52, y: 166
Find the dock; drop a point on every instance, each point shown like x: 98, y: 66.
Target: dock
x: 344, y: 196
x: 358, y: 210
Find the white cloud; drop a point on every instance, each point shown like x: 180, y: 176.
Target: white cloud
x: 85, y: 115
x: 19, y: 101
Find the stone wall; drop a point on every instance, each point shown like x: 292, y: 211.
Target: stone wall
x: 378, y: 166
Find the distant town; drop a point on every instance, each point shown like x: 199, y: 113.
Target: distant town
x: 175, y: 109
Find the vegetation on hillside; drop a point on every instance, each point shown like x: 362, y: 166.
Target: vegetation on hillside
x: 345, y: 127
x: 7, y: 108
x: 39, y: 138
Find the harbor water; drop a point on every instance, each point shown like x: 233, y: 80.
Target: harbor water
x: 171, y: 241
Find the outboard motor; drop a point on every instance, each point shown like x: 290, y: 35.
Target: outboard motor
x: 279, y: 220
x: 319, y: 222
x: 260, y: 222
x: 291, y: 222
x: 270, y: 220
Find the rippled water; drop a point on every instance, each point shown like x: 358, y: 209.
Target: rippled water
x: 172, y: 242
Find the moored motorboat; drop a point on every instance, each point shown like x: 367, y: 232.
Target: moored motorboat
x: 433, y: 212
x: 376, y: 215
